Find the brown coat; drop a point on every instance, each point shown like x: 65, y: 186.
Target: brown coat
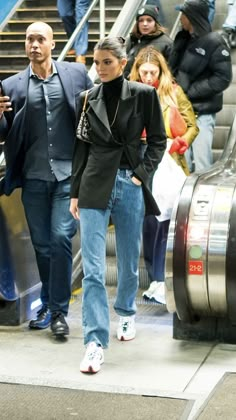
x: 187, y: 112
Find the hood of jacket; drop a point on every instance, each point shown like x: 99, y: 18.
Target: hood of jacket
x: 197, y: 13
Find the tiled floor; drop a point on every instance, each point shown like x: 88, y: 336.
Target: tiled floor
x: 152, y: 364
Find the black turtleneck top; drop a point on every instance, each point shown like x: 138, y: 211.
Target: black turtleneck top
x: 112, y: 93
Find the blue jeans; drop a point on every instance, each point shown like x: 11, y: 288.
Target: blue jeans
x: 126, y: 208
x: 51, y: 228
x: 230, y: 21
x: 199, y: 155
x: 71, y: 13
x: 66, y: 10
x: 211, y: 10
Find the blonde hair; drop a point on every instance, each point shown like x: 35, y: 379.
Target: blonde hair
x: 166, y: 88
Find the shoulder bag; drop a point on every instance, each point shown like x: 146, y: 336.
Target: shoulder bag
x: 175, y: 124
x: 83, y: 129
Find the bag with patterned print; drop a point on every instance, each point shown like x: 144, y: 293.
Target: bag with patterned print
x: 82, y: 132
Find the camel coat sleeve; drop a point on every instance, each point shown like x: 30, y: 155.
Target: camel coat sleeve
x: 187, y: 112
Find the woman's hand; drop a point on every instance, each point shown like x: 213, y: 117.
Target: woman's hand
x: 74, y: 209
x: 178, y: 145
x: 136, y: 181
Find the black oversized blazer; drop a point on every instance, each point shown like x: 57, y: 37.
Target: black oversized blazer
x: 95, y: 165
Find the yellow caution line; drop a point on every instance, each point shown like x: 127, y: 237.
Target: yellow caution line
x: 75, y: 293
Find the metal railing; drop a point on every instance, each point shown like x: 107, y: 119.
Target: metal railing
x: 81, y: 24
x: 121, y: 26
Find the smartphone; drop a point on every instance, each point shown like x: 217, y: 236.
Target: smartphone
x: 2, y: 93
x: 1, y: 89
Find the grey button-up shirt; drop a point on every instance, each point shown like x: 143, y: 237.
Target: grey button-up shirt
x: 50, y: 134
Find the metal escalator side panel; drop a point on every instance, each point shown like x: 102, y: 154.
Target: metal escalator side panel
x: 23, y: 262
x: 8, y: 290
x: 169, y: 286
x: 218, y: 239
x: 230, y: 264
x: 197, y: 247
x: 183, y: 307
x: 207, y: 237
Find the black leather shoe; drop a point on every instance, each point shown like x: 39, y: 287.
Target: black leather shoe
x: 59, y: 326
x: 42, y: 320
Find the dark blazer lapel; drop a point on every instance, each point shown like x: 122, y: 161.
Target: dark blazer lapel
x: 23, y: 83
x: 98, y: 106
x: 67, y: 84
x: 126, y: 106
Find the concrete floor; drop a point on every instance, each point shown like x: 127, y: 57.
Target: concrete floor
x: 152, y: 364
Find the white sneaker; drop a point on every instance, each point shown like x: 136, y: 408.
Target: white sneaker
x: 126, y: 330
x: 93, y: 359
x: 149, y: 292
x: 156, y: 292
x: 158, y: 295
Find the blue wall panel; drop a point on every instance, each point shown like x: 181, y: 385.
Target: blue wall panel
x: 5, y: 8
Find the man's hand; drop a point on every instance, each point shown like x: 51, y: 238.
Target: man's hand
x: 5, y: 104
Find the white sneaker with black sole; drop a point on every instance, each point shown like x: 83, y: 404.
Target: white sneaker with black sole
x: 158, y: 295
x: 93, y: 359
x: 156, y: 292
x: 149, y: 292
x: 126, y: 329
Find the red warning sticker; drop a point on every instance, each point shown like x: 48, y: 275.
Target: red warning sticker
x: 195, y: 267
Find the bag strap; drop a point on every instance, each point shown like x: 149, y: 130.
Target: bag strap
x: 85, y: 100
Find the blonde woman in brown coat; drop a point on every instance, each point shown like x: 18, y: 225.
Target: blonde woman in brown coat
x: 150, y: 67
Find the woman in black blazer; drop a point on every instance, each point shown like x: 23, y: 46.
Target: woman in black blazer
x: 110, y: 179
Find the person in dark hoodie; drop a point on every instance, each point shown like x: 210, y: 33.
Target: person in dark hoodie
x: 229, y: 25
x: 201, y: 64
x: 146, y: 31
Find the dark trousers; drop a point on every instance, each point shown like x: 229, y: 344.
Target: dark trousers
x: 155, y: 236
x: 51, y: 228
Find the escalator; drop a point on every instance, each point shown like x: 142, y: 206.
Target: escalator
x: 201, y: 253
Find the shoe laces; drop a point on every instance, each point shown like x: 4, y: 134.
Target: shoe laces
x: 42, y: 310
x: 93, y: 352
x: 58, y: 315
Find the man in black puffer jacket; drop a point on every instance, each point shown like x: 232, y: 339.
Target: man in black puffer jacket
x: 201, y: 63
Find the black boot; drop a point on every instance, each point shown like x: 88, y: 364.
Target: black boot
x: 59, y: 326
